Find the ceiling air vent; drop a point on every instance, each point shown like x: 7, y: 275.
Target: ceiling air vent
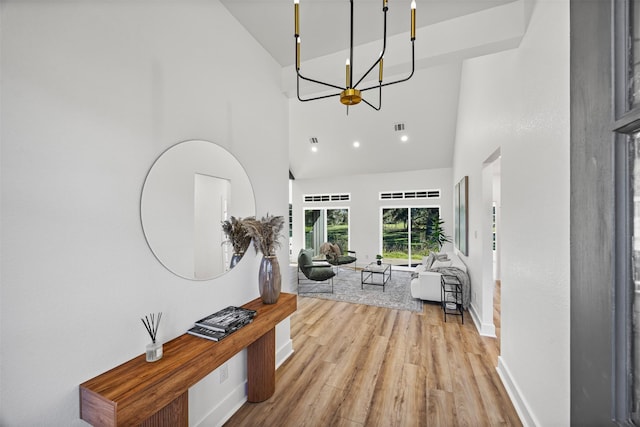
x: 398, y: 127
x: 313, y: 140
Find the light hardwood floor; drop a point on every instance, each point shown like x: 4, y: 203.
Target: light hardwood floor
x: 357, y: 365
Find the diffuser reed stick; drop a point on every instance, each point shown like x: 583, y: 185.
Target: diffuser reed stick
x: 152, y: 325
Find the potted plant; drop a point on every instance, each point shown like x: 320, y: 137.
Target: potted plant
x: 379, y: 259
x: 437, y: 237
x: 237, y: 236
x: 266, y: 239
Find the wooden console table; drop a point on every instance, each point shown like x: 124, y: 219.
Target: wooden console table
x: 156, y: 393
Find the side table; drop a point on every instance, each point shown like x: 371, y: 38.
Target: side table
x: 367, y: 275
x: 451, y: 296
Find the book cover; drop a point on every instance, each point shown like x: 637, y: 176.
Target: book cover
x: 207, y: 333
x: 228, y: 319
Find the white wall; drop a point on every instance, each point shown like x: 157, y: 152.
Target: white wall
x: 518, y: 101
x: 92, y: 92
x: 365, y: 206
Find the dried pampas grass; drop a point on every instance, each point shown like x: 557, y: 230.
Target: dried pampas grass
x: 236, y: 232
x: 265, y: 233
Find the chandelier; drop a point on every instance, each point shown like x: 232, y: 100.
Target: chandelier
x: 350, y: 94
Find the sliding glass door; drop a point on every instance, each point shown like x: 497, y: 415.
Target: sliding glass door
x: 405, y: 234
x: 326, y: 225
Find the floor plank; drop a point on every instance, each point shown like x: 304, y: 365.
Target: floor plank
x: 357, y: 365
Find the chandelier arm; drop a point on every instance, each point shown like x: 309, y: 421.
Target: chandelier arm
x: 318, y: 81
x: 384, y: 49
x: 368, y: 71
x: 311, y: 99
x: 369, y: 104
x: 300, y: 76
x: 379, y: 101
x: 401, y: 80
x: 317, y: 97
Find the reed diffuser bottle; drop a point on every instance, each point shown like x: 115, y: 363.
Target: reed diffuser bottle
x: 154, y: 349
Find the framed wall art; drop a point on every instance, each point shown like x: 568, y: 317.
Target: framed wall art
x: 461, y: 213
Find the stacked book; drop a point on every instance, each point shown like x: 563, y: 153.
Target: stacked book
x: 219, y: 325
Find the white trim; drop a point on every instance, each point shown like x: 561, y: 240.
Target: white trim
x: 517, y: 398
x: 284, y: 353
x: 223, y: 411
x: 484, y: 329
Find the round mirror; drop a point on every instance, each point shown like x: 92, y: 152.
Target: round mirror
x: 189, y: 191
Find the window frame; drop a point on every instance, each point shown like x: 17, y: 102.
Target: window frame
x: 381, y: 227
x: 325, y: 209
x: 626, y: 122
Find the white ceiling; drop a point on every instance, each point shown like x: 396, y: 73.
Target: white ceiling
x: 449, y: 31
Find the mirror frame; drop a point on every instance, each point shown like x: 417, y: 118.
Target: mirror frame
x: 151, y: 180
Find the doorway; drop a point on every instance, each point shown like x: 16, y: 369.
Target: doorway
x: 489, y: 297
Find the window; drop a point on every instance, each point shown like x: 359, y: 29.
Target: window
x: 417, y: 194
x: 326, y: 225
x: 406, y: 234
x: 309, y: 198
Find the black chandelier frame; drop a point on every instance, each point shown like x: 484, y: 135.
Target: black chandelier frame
x: 350, y: 94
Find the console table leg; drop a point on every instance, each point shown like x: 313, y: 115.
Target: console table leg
x: 261, y: 368
x: 175, y: 414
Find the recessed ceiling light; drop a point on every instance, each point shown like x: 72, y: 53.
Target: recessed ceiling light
x: 404, y: 138
x: 356, y: 144
x: 314, y: 149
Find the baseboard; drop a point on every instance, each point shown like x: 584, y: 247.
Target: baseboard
x: 284, y: 353
x: 484, y: 329
x: 524, y: 412
x: 221, y: 413
x: 226, y: 408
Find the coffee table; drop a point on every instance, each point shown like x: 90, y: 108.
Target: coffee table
x: 373, y: 271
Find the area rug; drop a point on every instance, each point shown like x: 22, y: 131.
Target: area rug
x: 347, y: 287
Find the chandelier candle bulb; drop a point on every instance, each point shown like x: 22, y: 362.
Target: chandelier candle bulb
x: 298, y: 53
x: 348, y: 74
x: 413, y: 19
x: 296, y: 4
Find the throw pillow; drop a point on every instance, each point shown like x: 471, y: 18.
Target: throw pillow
x: 428, y: 261
x: 441, y: 264
x: 442, y: 256
x: 325, y: 248
x: 336, y: 249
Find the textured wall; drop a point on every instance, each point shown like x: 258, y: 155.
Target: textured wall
x: 518, y: 101
x: 92, y: 93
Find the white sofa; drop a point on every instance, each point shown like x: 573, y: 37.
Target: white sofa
x: 426, y: 284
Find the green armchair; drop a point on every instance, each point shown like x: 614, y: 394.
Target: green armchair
x: 313, y: 271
